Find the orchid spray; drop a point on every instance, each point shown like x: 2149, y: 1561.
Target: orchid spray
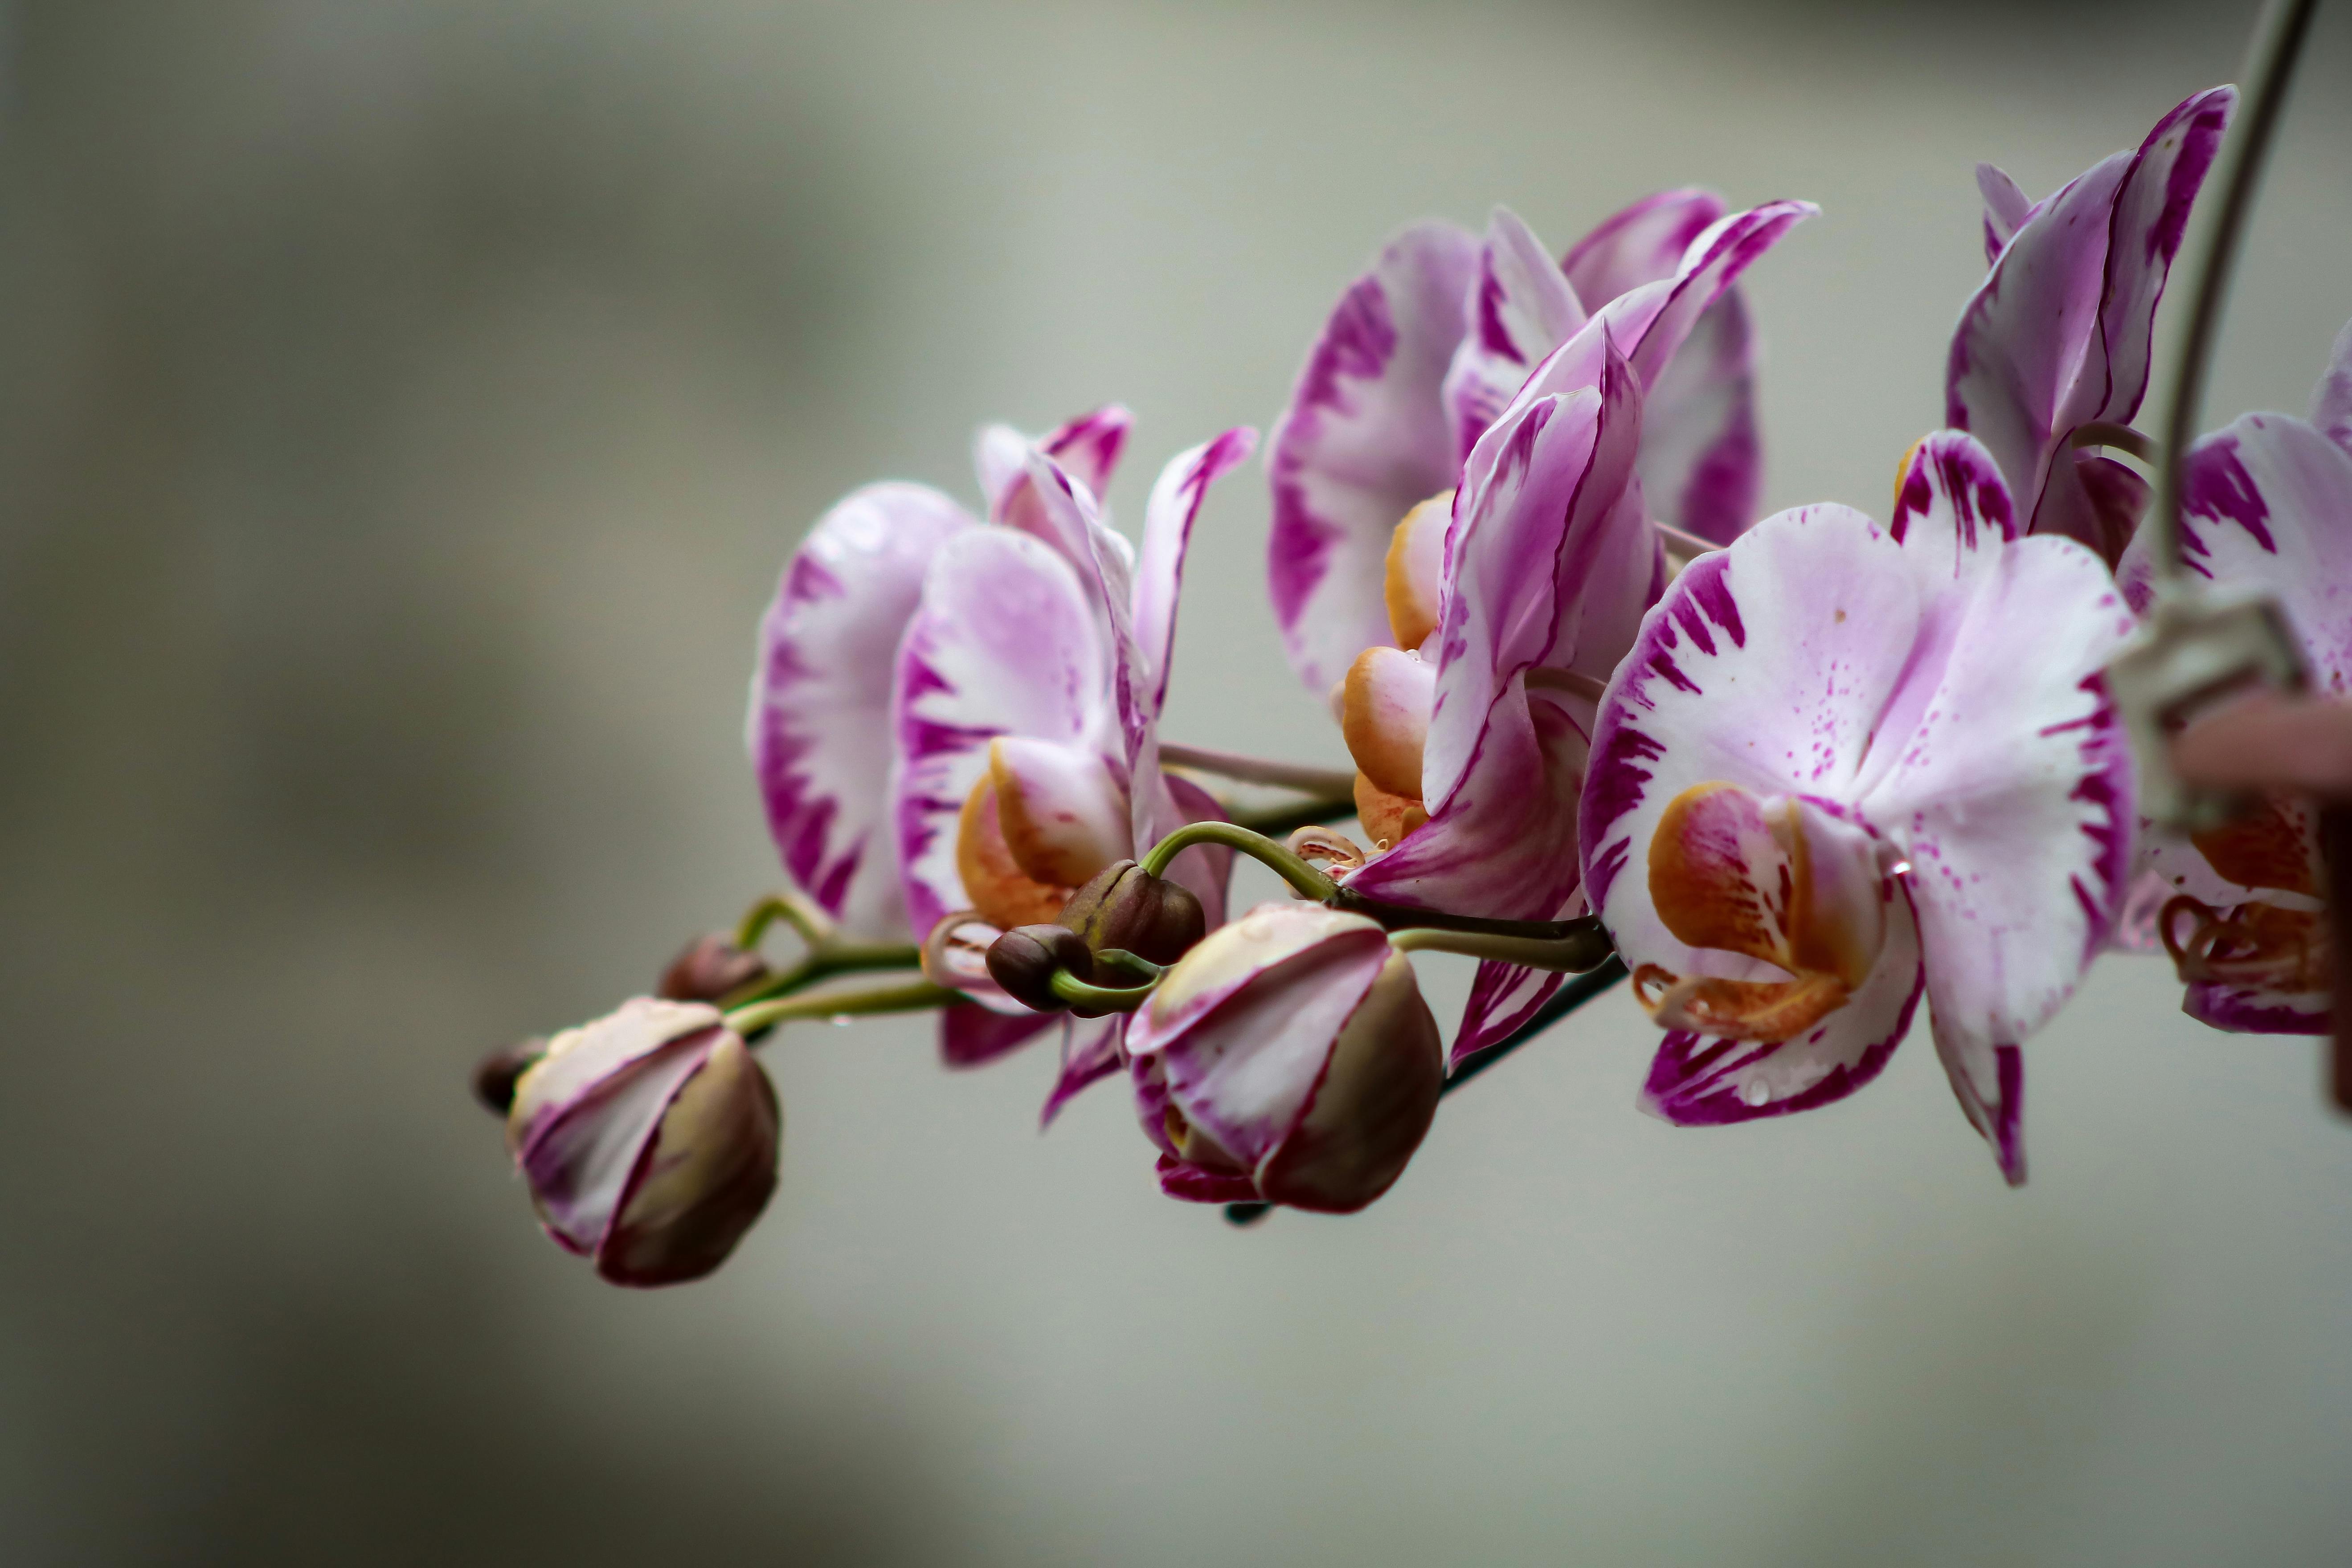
x: 1804, y: 778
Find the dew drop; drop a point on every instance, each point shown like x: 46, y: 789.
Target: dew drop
x: 1756, y: 1093
x: 839, y: 1021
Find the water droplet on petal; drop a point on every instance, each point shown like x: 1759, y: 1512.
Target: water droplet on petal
x: 839, y: 1021
x: 1755, y: 1092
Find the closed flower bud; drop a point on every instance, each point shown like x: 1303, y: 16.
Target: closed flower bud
x: 711, y: 967
x: 1287, y: 1059
x: 1024, y: 960
x: 495, y: 1074
x: 1126, y: 907
x: 649, y: 1141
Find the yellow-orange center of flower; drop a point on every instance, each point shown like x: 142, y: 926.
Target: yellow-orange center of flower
x: 1734, y: 874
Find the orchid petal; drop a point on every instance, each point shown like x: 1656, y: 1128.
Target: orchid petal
x: 1640, y: 243
x: 706, y: 1176
x: 2267, y: 502
x: 583, y: 1114
x: 2058, y: 333
x: 2331, y: 400
x: 2006, y: 209
x: 1364, y: 439
x: 1503, y: 999
x: 1087, y: 448
x: 1243, y: 1054
x: 827, y: 644
x: 1204, y: 870
x: 1088, y: 1056
x: 1062, y: 812
x: 1702, y: 463
x: 1168, y: 518
x: 1552, y: 564
x: 1006, y: 642
x: 972, y: 1034
x: 1701, y: 1080
x: 1522, y: 307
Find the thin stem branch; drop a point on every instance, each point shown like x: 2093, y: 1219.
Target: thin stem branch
x: 1586, y: 948
x: 1258, y: 770
x: 1570, y: 998
x: 1104, y: 998
x: 1308, y: 882
x: 825, y: 962
x: 2269, y: 67
x: 2120, y: 438
x: 813, y: 926
x: 911, y: 996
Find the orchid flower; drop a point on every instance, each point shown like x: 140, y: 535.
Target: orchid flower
x: 2265, y: 503
x: 1424, y: 351
x: 1846, y: 766
x: 1026, y: 708
x: 1287, y: 1059
x: 1471, y: 736
x: 648, y: 1139
x: 2051, y: 351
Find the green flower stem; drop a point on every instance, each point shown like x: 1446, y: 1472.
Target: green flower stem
x: 2269, y: 68
x: 1104, y: 998
x: 1570, y: 998
x: 1304, y: 879
x: 912, y: 996
x: 1588, y: 947
x: 813, y: 924
x: 824, y: 963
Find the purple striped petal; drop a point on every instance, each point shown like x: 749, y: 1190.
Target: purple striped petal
x: 1090, y: 1053
x: 1522, y: 307
x: 1552, y: 563
x: 1700, y: 1081
x: 1642, y: 243
x: 819, y: 746
x: 1087, y: 448
x: 2264, y: 503
x: 973, y: 1035
x: 2331, y: 400
x: 1364, y: 440
x: 2058, y: 334
x: 2003, y: 774
x: 1007, y: 640
x: 1168, y: 519
x: 2006, y: 209
x: 1702, y: 463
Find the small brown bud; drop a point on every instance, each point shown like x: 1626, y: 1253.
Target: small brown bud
x: 710, y: 968
x: 495, y: 1074
x: 1126, y: 906
x: 1023, y: 961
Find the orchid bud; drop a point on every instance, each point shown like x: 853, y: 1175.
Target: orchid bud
x: 710, y: 968
x: 1126, y: 907
x: 1288, y: 1058
x: 649, y: 1140
x: 495, y: 1074
x: 1024, y: 960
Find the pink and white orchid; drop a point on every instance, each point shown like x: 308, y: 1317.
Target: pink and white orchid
x: 820, y: 734
x: 2054, y: 345
x: 1287, y: 1059
x: 1427, y: 348
x: 2265, y: 503
x: 1845, y: 766
x: 1025, y: 710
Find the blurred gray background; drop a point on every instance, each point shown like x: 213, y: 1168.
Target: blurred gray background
x: 405, y: 408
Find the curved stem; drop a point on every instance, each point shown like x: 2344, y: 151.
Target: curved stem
x: 813, y: 926
x: 912, y: 996
x: 1406, y: 917
x: 2121, y: 437
x: 1585, y: 948
x: 2269, y: 67
x: 1257, y: 770
x: 1105, y: 998
x: 1308, y: 882
x: 825, y: 961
